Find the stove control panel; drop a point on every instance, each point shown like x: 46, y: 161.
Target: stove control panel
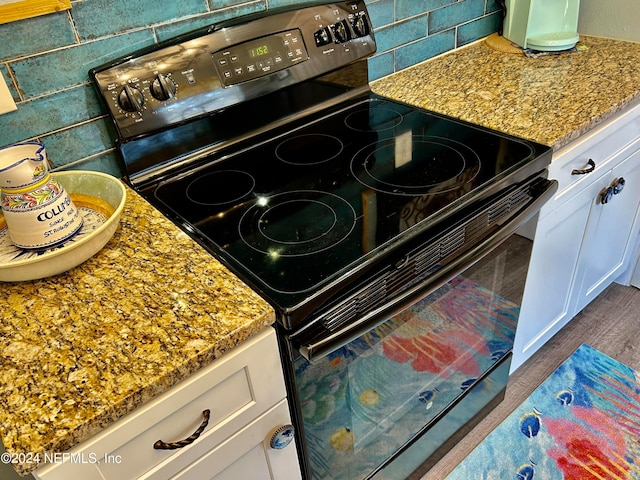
x: 263, y: 56
x: 211, y: 69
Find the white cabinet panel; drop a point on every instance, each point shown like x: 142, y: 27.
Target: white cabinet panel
x: 545, y: 306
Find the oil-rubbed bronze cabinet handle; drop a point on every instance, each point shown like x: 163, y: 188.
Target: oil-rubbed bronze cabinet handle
x: 160, y: 445
x: 591, y: 166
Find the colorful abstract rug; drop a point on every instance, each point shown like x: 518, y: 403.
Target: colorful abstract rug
x: 583, y: 422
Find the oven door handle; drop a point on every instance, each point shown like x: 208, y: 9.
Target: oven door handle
x: 331, y: 342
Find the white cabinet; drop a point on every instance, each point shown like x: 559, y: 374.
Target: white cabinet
x: 581, y: 244
x: 244, y: 395
x: 608, y: 240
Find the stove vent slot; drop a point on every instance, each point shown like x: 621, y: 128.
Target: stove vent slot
x: 398, y: 278
x: 507, y: 205
x: 415, y: 268
x: 423, y: 261
x: 362, y: 302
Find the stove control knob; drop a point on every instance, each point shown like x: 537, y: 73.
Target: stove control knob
x: 131, y: 99
x: 323, y: 37
x: 360, y: 27
x: 341, y: 32
x: 163, y: 88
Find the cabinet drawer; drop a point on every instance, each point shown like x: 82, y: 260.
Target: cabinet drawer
x: 236, y: 388
x: 601, y: 145
x: 247, y: 454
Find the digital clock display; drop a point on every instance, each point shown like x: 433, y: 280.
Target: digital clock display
x: 259, y: 51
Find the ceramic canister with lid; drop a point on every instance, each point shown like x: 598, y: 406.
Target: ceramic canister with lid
x: 38, y: 211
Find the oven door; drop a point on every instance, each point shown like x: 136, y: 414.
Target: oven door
x: 390, y: 397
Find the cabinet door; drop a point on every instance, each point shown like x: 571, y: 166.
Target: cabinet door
x: 609, y: 238
x: 545, y: 305
x: 248, y: 454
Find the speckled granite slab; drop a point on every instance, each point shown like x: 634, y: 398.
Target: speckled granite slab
x: 81, y: 349
x: 552, y: 100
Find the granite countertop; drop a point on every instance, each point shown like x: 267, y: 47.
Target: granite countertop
x: 81, y: 349
x: 552, y: 100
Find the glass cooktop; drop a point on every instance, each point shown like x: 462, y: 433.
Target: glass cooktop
x: 298, y: 211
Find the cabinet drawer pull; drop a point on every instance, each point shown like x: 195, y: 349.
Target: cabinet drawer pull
x: 160, y: 445
x: 590, y: 167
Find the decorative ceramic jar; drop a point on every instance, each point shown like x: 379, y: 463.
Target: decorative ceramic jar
x: 38, y: 211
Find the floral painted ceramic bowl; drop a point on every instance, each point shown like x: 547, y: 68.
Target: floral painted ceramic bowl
x: 100, y: 198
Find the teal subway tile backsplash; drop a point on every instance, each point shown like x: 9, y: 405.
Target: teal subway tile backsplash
x: 401, y: 33
x: 72, y: 64
x: 411, y: 8
x: 99, y: 18
x: 37, y: 117
x: 63, y: 145
x: 472, y: 31
x: 106, y: 162
x: 167, y: 31
x: 382, y: 65
x: 425, y: 48
x: 45, y: 60
x: 382, y: 11
x: 35, y: 35
x: 457, y: 13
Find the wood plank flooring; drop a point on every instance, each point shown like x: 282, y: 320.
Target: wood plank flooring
x: 611, y: 323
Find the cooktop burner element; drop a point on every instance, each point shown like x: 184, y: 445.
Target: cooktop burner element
x: 220, y: 188
x: 296, y: 223
x: 373, y: 118
x: 389, y: 166
x: 317, y: 148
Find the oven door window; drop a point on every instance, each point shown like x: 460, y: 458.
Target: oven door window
x: 367, y: 400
